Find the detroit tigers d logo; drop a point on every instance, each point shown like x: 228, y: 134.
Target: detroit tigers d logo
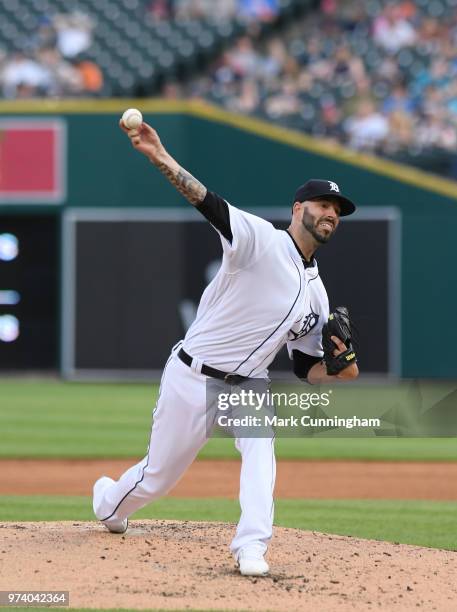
x: 309, y: 322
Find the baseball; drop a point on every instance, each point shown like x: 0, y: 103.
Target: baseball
x: 132, y: 118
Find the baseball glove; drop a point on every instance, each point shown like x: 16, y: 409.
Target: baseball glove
x: 339, y: 325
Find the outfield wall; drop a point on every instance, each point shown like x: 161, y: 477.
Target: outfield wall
x: 252, y: 164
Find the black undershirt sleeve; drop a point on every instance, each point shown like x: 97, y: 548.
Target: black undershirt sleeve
x: 215, y: 209
x: 303, y: 363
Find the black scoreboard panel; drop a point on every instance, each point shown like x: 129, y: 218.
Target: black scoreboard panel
x: 28, y: 292
x: 137, y: 285
x: 127, y: 294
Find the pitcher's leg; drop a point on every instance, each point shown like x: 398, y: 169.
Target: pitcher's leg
x: 178, y: 432
x: 257, y: 480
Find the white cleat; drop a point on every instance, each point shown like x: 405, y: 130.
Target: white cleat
x: 251, y: 562
x: 115, y: 526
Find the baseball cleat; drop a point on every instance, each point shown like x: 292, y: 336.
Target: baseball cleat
x: 117, y: 526
x: 251, y: 562
x: 114, y: 526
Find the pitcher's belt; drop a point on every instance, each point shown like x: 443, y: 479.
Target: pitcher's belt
x: 229, y: 377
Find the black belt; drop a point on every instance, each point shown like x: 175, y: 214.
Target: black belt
x: 229, y: 377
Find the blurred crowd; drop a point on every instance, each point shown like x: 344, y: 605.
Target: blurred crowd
x: 263, y: 10
x: 382, y: 82
x: 53, y: 62
x: 377, y: 76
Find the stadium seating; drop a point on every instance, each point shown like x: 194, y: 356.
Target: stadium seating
x: 135, y: 52
x: 313, y: 84
x: 138, y: 54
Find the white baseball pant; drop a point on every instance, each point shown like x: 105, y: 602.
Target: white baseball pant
x: 179, y: 431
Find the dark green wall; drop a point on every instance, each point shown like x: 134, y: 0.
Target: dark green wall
x: 104, y: 170
x: 251, y: 170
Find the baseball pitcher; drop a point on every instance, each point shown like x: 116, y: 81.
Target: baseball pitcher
x: 267, y: 293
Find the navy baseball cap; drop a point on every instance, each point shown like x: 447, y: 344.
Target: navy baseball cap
x: 318, y: 189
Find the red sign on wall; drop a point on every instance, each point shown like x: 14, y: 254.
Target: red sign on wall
x: 32, y: 161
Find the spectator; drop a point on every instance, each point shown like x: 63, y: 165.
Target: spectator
x: 285, y: 102
x: 451, y: 101
x: 206, y: 9
x: 429, y: 30
x: 160, y: 9
x: 398, y: 100
x: 348, y: 66
x: 367, y: 128
x: 401, y: 131
x: 434, y: 132
x: 432, y: 100
x: 27, y: 73
x: 172, y: 91
x: 392, y: 30
x: 407, y: 9
x: 388, y: 70
x: 3, y: 61
x: 329, y: 7
x: 261, y: 10
x: 64, y: 78
x: 46, y: 35
x: 314, y: 51
x: 25, y: 92
x: 330, y: 124
x: 244, y: 60
x: 248, y: 99
x: 438, y: 75
x: 275, y: 61
x: 91, y: 77
x: 74, y: 34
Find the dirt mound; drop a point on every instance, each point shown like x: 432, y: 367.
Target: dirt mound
x: 177, y: 565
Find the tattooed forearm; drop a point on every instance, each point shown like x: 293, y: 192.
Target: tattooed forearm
x: 184, y: 182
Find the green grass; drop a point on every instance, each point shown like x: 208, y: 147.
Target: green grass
x: 73, y: 420
x: 422, y: 523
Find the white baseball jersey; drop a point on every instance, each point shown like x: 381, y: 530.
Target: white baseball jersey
x: 263, y: 296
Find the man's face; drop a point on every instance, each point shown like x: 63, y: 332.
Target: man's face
x: 321, y: 218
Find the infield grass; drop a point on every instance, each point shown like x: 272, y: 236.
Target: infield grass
x: 423, y: 523
x: 73, y: 420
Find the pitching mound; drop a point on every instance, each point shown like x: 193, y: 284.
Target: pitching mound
x: 169, y: 564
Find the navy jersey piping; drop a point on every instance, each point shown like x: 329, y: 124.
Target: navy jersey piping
x: 275, y: 330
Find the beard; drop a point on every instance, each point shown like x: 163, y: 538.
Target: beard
x: 312, y: 225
